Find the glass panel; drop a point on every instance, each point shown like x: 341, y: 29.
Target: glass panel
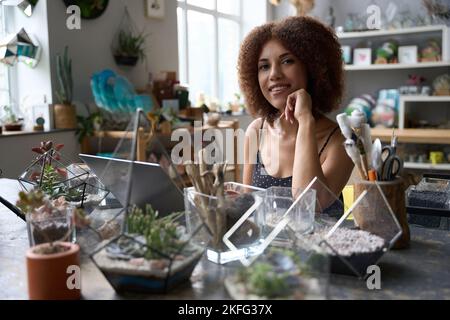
x: 228, y: 6
x: 201, y: 53
x: 228, y: 53
x: 207, y: 4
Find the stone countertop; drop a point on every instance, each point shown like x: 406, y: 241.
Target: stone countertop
x: 420, y: 272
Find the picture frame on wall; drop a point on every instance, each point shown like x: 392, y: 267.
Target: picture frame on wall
x: 362, y: 57
x: 155, y: 9
x: 43, y: 113
x: 407, y: 54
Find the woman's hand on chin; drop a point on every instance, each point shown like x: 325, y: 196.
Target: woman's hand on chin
x: 298, y: 105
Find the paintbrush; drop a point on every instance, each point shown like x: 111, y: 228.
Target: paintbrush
x: 353, y: 153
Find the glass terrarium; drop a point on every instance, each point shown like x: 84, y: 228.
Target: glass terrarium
x: 155, y: 255
x: 361, y: 236
x: 296, y: 273
x: 239, y: 204
x: 140, y: 247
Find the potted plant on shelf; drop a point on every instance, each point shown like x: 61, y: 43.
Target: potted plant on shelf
x: 51, y: 262
x: 64, y: 111
x: 129, y: 48
x: 86, y: 128
x: 11, y: 122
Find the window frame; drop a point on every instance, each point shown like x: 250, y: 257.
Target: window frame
x: 185, y: 7
x: 7, y: 84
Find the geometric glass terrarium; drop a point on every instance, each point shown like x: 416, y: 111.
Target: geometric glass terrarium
x: 149, y: 252
x: 239, y: 203
x: 361, y: 236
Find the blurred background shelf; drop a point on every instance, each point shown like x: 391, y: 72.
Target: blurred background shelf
x: 427, y: 136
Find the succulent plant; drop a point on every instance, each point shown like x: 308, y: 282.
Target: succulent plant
x: 64, y: 74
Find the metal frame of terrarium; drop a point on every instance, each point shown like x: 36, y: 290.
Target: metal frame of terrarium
x: 79, y: 175
x: 385, y: 216
x: 143, y: 283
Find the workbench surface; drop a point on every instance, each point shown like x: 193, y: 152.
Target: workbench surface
x: 420, y: 272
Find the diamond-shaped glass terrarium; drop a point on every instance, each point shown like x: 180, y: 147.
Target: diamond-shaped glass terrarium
x: 361, y: 236
x: 240, y: 203
x: 151, y: 253
x: 299, y: 273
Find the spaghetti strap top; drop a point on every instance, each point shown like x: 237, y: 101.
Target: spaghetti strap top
x: 261, y: 179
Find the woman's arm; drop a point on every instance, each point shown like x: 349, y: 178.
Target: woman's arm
x: 250, y: 150
x: 336, y: 169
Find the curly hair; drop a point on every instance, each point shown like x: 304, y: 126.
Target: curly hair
x: 314, y: 44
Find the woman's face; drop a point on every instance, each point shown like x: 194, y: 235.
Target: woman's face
x: 280, y: 73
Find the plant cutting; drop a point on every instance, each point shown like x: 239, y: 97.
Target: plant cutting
x: 64, y: 111
x: 11, y: 122
x: 154, y: 255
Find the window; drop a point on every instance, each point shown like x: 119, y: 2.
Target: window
x: 4, y: 76
x: 209, y: 34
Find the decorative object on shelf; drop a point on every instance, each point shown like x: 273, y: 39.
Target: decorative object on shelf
x: 362, y: 57
x: 116, y: 96
x: 90, y: 9
x: 437, y: 11
x: 441, y: 85
x: 407, y: 54
x: 436, y: 157
x: 330, y: 19
x: 128, y: 45
x: 26, y: 6
x: 302, y: 7
x: 64, y: 111
x: 155, y: 8
x: 415, y: 86
x: 385, y: 112
x: 43, y: 113
x: 20, y: 47
x: 364, y: 103
x: 432, y: 52
x: 11, y: 121
x: 347, y: 54
x: 387, y: 53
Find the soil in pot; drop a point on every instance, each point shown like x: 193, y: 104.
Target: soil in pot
x: 48, y: 271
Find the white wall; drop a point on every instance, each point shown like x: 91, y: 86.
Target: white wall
x: 90, y: 47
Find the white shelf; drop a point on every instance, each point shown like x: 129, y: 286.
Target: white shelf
x: 381, y: 33
x: 427, y: 166
x: 418, y: 98
x: 396, y: 66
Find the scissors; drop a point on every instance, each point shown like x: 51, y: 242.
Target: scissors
x: 391, y: 164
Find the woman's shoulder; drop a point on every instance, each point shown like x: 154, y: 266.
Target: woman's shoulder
x: 255, y: 125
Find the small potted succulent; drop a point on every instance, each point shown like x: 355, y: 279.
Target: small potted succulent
x: 64, y: 111
x: 52, y: 257
x: 11, y: 121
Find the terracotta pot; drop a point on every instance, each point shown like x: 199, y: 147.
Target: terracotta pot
x: 48, y: 274
x: 65, y: 116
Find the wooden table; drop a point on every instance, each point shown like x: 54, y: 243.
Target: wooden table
x: 420, y: 272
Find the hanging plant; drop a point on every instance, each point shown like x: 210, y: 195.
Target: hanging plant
x: 128, y: 45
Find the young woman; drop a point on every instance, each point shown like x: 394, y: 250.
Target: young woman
x: 291, y: 75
